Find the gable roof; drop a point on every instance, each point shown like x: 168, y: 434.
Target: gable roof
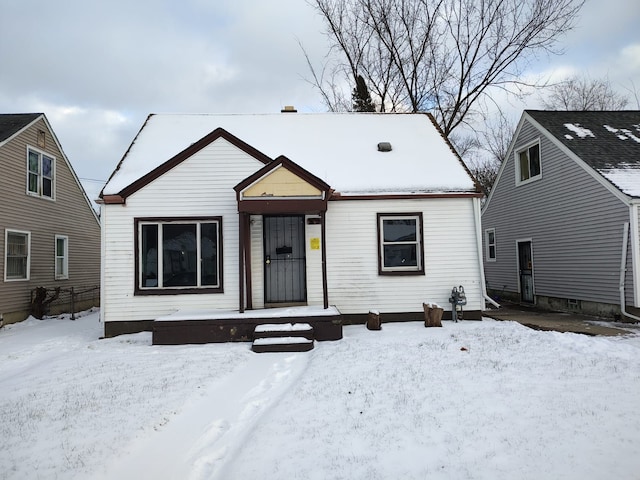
x: 12, y: 123
x: 607, y: 141
x: 339, y: 148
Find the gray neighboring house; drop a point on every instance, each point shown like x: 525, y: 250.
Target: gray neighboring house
x: 561, y: 226
x: 49, y: 232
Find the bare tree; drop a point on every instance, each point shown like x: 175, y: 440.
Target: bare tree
x: 584, y: 93
x: 442, y: 56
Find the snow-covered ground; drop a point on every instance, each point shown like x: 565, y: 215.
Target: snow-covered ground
x: 472, y: 400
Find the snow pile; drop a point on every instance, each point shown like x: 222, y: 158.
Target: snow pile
x: 473, y: 400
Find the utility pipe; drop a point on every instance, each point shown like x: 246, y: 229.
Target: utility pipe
x: 476, y: 211
x: 623, y: 269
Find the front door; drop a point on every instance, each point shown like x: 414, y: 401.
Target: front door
x: 525, y: 267
x: 284, y: 259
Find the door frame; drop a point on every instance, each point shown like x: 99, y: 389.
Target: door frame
x: 302, y: 279
x: 519, y: 269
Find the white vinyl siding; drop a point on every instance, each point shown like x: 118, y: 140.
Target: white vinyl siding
x: 450, y: 256
x: 201, y: 186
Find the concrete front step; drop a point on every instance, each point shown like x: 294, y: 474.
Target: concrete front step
x: 283, y: 337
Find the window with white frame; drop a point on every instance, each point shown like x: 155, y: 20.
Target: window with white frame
x: 179, y: 254
x: 40, y: 173
x: 400, y: 244
x: 17, y: 255
x: 62, y: 257
x: 490, y: 244
x: 528, y: 162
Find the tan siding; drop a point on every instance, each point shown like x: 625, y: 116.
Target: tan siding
x: 69, y: 214
x: 200, y: 186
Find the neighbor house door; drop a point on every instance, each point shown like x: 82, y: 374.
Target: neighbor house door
x: 525, y: 268
x: 284, y: 258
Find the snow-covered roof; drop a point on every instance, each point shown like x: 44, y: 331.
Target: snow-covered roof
x: 339, y: 148
x: 607, y: 141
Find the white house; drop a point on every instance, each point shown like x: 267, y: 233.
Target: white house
x: 210, y: 219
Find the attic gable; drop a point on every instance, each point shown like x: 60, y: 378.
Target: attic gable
x: 157, y: 172
x: 606, y: 141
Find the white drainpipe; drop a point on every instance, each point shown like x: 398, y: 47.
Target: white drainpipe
x: 623, y: 269
x: 476, y: 211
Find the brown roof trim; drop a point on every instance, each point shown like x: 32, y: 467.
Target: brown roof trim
x: 289, y: 165
x: 190, y: 151
x: 409, y: 196
x: 455, y: 152
x: 283, y: 206
x: 112, y: 199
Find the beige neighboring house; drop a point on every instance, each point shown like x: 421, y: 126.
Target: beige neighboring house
x: 49, y: 232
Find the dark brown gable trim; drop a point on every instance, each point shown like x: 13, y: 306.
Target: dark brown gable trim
x: 289, y: 165
x: 190, y: 151
x: 112, y: 199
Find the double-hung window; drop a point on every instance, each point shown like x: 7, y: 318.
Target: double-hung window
x: 62, y: 257
x: 40, y: 174
x: 179, y: 254
x: 400, y: 244
x: 17, y: 255
x: 528, y: 161
x: 490, y: 244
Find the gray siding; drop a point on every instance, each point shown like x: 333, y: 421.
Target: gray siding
x: 69, y: 214
x: 574, y: 222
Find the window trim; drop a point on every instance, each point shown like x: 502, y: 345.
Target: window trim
x: 65, y: 258
x: 488, y: 245
x: 419, y: 270
x: 39, y: 193
x: 27, y: 277
x: 139, y: 290
x: 518, y: 171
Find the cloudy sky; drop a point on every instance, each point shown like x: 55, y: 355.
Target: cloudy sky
x: 97, y: 68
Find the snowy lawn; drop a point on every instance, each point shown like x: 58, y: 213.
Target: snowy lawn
x: 473, y: 400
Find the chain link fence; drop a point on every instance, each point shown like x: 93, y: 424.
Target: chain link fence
x: 54, y: 301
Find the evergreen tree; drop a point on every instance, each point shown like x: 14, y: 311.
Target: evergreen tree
x: 361, y: 97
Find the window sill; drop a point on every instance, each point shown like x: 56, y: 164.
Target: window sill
x: 177, y: 291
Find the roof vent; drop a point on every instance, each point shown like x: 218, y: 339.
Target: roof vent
x: 289, y: 109
x: 384, y: 147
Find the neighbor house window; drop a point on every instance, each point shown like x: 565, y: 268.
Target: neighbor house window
x: 490, y: 244
x: 17, y: 255
x: 180, y: 254
x: 400, y: 243
x: 62, y: 257
x: 528, y: 161
x: 40, y: 172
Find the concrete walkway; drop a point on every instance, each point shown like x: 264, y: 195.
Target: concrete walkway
x: 561, y: 322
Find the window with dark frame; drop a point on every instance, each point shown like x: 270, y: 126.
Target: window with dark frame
x: 179, y: 254
x: 17, y: 251
x: 400, y: 243
x: 529, y: 163
x: 40, y: 173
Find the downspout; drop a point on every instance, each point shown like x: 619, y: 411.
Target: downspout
x: 623, y: 270
x: 476, y: 212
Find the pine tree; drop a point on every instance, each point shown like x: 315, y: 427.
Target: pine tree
x: 361, y: 97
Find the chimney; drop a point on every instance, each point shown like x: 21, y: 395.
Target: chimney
x: 289, y: 109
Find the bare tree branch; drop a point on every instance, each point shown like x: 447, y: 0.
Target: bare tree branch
x: 584, y: 93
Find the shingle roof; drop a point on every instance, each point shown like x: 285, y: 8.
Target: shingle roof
x: 608, y: 141
x: 10, y: 123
